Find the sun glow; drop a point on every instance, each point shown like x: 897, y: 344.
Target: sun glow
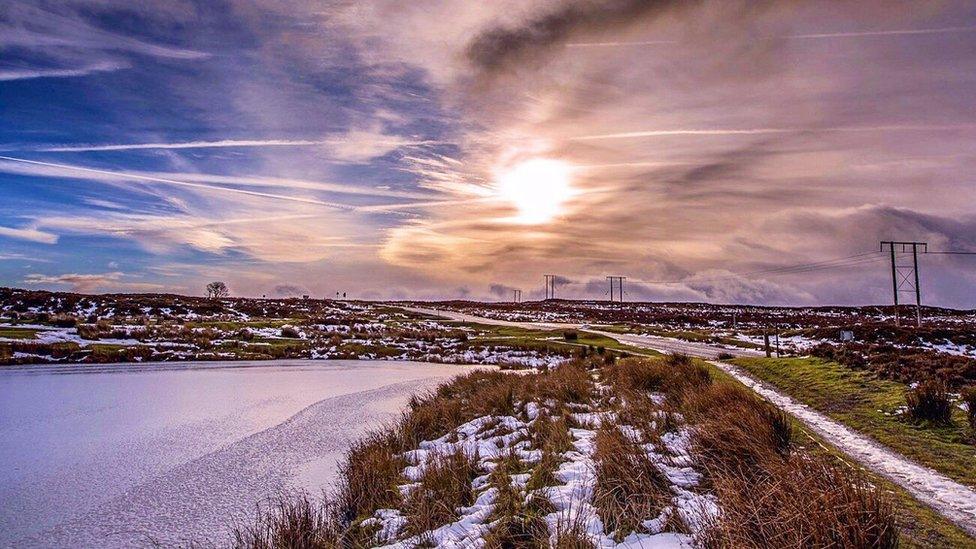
x: 537, y: 187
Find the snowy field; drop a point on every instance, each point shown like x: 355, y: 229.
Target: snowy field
x: 126, y: 455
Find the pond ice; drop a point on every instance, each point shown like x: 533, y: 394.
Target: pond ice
x: 124, y: 454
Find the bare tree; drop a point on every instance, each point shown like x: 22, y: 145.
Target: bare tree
x: 216, y: 290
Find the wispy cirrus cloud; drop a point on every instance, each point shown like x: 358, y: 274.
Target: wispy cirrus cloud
x: 776, y: 131
x: 30, y: 234
x: 354, y: 148
x: 31, y: 25
x: 27, y: 74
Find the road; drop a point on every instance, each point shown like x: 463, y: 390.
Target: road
x: 661, y: 344
x: 953, y: 500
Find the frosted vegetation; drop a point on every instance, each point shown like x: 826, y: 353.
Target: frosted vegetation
x: 45, y: 327
x: 643, y: 453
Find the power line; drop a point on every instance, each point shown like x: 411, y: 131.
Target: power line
x: 949, y: 252
x: 839, y: 262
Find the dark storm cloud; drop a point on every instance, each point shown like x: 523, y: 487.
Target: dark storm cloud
x: 289, y: 290
x: 500, y: 290
x: 496, y: 48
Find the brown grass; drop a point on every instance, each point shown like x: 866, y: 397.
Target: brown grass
x: 736, y: 430
x: 629, y: 486
x: 673, y: 375
x: 293, y: 523
x: 369, y: 478
x: 772, y: 494
x: 801, y: 502
x: 444, y: 488
x: 520, y: 521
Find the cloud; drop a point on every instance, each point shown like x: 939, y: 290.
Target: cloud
x: 892, y: 32
x: 497, y: 48
x: 29, y: 25
x: 358, y: 145
x: 774, y: 131
x: 501, y: 291
x: 73, y: 171
x: 29, y: 234
x: 77, y: 282
x: 26, y: 74
x: 289, y: 290
x: 22, y: 257
x: 706, y: 137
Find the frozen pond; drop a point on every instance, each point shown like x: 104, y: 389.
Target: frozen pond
x: 124, y: 455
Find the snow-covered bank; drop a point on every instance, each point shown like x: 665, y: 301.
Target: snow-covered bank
x: 113, y: 459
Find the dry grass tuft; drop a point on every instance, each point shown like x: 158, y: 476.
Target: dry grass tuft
x: 804, y: 503
x: 629, y: 486
x: 567, y: 383
x: 444, y: 488
x: 673, y: 375
x: 736, y: 430
x: 293, y: 523
x: 369, y: 478
x: 519, y: 521
x: 772, y: 496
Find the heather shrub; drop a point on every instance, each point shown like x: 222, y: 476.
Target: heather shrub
x: 290, y: 332
x: 929, y: 401
x: 969, y: 398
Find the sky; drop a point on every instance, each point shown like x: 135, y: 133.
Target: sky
x: 734, y: 151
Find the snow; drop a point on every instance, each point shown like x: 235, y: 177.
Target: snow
x: 491, y: 437
x: 952, y: 499
x: 108, y: 456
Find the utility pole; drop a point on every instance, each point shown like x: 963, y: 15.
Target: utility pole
x: 620, y: 284
x: 516, y: 296
x: 550, y: 286
x: 905, y: 277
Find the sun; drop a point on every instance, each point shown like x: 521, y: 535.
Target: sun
x: 538, y: 188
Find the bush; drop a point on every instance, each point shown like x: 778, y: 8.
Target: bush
x: 929, y: 401
x: 65, y: 321
x: 969, y: 397
x: 290, y: 332
x: 88, y: 331
x: 570, y: 335
x: 725, y: 356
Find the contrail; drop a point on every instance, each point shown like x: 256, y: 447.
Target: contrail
x: 223, y: 143
x: 810, y: 36
x: 895, y: 32
x: 619, y: 44
x: 767, y: 131
x: 123, y: 175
